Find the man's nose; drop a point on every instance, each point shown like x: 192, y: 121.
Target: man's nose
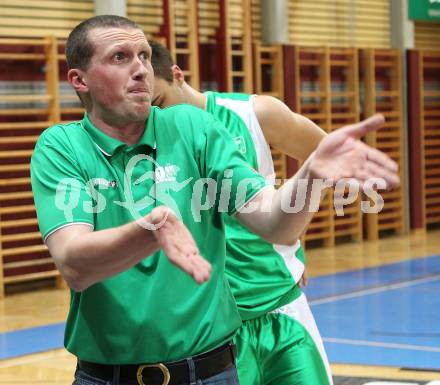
x: 140, y: 70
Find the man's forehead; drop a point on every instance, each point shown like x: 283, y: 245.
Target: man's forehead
x: 118, y: 35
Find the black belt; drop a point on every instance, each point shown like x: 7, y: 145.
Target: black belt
x: 169, y: 373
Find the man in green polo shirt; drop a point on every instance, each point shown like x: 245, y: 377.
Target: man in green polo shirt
x: 99, y: 187
x: 264, y: 278
x: 98, y: 183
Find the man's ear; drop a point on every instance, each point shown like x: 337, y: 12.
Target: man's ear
x: 178, y: 76
x: 76, y: 79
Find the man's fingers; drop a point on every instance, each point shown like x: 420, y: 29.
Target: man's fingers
x: 198, y: 267
x: 381, y: 159
x: 372, y: 170
x: 358, y: 130
x: 186, y: 256
x: 378, y: 165
x: 192, y: 264
x: 180, y: 247
x: 201, y: 268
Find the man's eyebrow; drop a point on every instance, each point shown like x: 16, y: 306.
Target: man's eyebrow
x: 117, y: 47
x: 122, y: 46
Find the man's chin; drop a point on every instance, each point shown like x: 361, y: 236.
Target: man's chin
x: 142, y: 112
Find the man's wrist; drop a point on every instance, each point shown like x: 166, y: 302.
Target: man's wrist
x: 310, y: 169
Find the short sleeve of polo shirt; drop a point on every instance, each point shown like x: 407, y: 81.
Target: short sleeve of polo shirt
x: 235, y: 178
x: 59, y: 188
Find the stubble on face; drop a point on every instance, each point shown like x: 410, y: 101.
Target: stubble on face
x: 120, y: 76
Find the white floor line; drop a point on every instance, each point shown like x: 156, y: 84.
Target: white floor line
x: 32, y: 358
x: 383, y: 344
x: 374, y: 290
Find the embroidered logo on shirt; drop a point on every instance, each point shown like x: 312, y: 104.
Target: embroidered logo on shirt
x: 167, y: 173
x: 104, y: 182
x: 240, y: 143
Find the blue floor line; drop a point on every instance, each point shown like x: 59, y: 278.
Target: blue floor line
x: 403, y: 315
x: 355, y: 280
x: 33, y: 340
x: 379, y: 356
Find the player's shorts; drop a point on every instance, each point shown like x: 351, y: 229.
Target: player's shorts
x: 283, y: 347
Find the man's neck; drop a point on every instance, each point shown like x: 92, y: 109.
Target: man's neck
x: 128, y: 133
x: 194, y: 97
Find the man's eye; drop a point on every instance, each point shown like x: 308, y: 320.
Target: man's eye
x: 144, y: 56
x: 119, y: 56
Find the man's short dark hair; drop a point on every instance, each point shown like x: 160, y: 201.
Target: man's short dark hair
x: 79, y: 49
x: 161, y: 61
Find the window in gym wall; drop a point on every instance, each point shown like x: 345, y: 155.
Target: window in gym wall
x: 343, y: 23
x: 148, y: 14
x: 31, y: 18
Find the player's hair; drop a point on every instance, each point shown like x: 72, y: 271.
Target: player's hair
x: 79, y: 48
x: 161, y: 61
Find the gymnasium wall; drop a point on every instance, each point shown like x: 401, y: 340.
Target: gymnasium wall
x: 37, y: 18
x: 427, y: 35
x: 340, y: 23
x: 337, y: 67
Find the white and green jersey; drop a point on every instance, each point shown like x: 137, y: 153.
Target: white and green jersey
x: 262, y: 276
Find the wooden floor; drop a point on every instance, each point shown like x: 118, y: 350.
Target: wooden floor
x: 46, y: 306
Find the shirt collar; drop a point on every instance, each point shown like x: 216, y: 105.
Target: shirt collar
x: 109, y: 145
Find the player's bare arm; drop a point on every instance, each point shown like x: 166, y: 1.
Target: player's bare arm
x: 85, y: 257
x: 288, y: 132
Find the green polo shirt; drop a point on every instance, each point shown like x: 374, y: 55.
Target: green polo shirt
x: 153, y: 312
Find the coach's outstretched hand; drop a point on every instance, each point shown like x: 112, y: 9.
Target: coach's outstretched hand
x: 342, y: 155
x: 178, y: 244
